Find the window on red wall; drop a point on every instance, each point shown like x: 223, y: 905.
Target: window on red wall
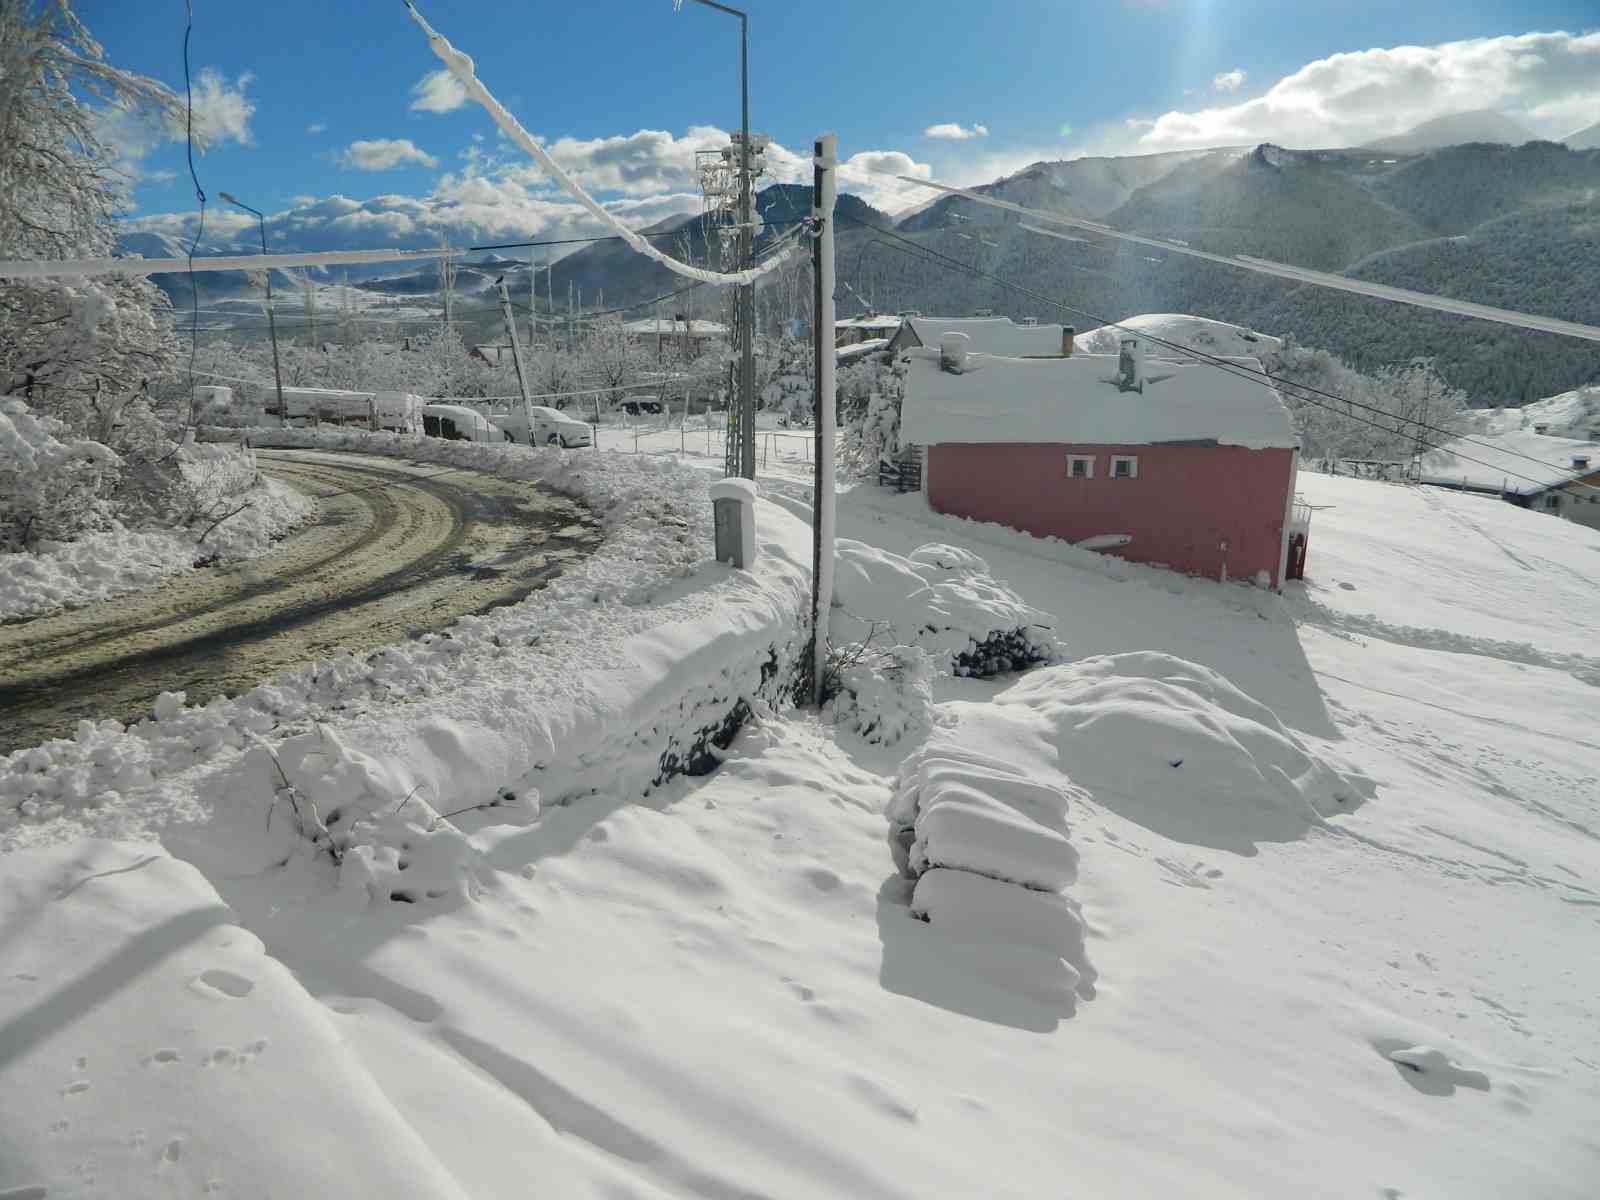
x: 1080, y: 466
x: 1124, y: 466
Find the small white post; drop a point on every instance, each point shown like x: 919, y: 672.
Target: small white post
x: 822, y: 200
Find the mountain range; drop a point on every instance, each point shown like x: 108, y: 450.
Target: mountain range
x: 1497, y: 219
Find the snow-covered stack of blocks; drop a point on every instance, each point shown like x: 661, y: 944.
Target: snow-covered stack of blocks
x: 991, y: 852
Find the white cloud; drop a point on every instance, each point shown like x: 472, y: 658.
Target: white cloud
x: 317, y: 127
x: 380, y: 154
x: 222, y: 110
x: 438, y: 92
x: 955, y: 131
x: 1228, y: 81
x: 1549, y: 82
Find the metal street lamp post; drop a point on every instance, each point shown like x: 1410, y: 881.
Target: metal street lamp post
x: 272, y: 324
x: 745, y: 294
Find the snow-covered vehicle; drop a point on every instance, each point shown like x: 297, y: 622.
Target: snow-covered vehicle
x: 636, y: 406
x: 549, y: 427
x: 457, y: 423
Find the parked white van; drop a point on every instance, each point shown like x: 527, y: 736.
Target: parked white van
x: 457, y: 423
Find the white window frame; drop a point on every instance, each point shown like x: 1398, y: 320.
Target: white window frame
x: 1074, y: 459
x: 1133, y: 466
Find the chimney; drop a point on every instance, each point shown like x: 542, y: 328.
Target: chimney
x: 1130, y: 366
x: 953, y: 352
x: 1580, y: 462
x: 1068, y: 333
x: 1541, y: 428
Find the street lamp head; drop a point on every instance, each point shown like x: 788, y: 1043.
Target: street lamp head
x: 229, y: 197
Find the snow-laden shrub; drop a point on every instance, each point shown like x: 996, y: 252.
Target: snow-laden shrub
x: 941, y: 599
x: 883, y: 694
x: 51, y: 484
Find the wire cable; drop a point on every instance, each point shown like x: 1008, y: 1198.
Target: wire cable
x: 200, y: 227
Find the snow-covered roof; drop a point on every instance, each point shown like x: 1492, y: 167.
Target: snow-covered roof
x: 860, y: 349
x: 1500, y: 461
x: 990, y: 335
x: 1574, y: 414
x: 664, y: 326
x: 1190, y: 332
x: 870, y: 321
x: 1076, y: 401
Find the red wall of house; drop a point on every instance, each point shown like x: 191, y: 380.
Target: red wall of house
x: 1186, y: 501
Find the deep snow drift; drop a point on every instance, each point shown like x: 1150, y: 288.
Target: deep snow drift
x: 1334, y: 858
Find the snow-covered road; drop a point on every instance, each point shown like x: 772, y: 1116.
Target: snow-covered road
x: 398, y: 547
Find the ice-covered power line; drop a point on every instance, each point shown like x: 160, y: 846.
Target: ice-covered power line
x: 1263, y: 266
x: 47, y: 268
x: 460, y: 66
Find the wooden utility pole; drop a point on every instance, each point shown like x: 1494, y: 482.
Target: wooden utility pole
x: 516, y: 354
x: 823, y: 186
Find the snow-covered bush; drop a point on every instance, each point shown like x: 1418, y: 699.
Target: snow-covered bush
x: 941, y: 599
x: 51, y: 484
x: 882, y: 695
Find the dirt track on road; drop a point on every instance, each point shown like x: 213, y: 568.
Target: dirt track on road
x: 396, y: 549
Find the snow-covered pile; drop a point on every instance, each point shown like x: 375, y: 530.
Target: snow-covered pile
x: 1179, y: 748
x: 1189, y: 332
x: 991, y: 853
x: 38, y: 471
x: 939, y: 598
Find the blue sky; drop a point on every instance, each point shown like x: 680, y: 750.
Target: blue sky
x: 294, y: 86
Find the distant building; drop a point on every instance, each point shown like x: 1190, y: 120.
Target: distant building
x: 869, y: 328
x: 987, y: 335
x: 1559, y: 476
x: 1176, y: 464
x: 682, y: 336
x: 489, y: 355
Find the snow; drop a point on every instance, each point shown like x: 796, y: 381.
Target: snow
x: 990, y: 335
x: 1190, y: 332
x: 729, y: 987
x: 1574, y: 414
x: 96, y: 566
x: 1076, y: 401
x: 1518, y: 461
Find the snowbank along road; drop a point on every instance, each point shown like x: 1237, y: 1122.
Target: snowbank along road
x: 397, y: 548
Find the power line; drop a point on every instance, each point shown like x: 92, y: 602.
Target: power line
x: 1238, y: 370
x: 608, y: 238
x: 1380, y: 291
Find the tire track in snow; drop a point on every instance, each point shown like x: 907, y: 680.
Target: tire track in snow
x: 395, y: 550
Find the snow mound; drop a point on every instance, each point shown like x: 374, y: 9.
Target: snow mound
x: 1190, y: 332
x: 1178, y: 748
x: 884, y: 698
x: 939, y: 598
x: 991, y: 853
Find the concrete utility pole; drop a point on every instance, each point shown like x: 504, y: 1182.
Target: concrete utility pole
x: 745, y: 294
x: 533, y: 299
x: 272, y: 324
x: 516, y: 353
x: 823, y: 191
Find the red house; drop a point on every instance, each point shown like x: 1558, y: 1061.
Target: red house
x: 1179, y: 464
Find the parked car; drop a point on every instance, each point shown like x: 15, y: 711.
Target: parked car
x: 550, y: 427
x: 456, y: 422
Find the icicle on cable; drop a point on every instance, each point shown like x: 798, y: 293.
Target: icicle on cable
x: 461, y: 66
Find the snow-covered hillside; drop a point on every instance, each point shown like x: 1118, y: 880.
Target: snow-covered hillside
x: 1336, y: 858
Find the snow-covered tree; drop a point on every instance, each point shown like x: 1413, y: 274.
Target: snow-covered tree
x: 79, y: 351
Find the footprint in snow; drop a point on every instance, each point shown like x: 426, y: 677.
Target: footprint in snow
x: 219, y: 983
